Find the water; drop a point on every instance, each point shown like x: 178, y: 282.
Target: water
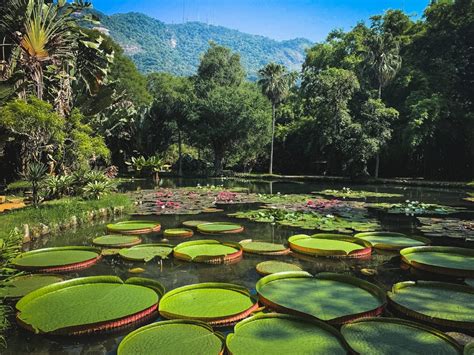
x: 174, y: 273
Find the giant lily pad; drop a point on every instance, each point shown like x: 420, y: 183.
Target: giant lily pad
x: 173, y: 337
x: 272, y: 267
x: 330, y: 297
x: 391, y: 240
x: 264, y: 248
x: 213, y: 302
x: 116, y: 241
x: 88, y: 305
x: 134, y: 227
x: 219, y: 228
x: 178, y: 232
x: 435, y: 302
x: 450, y: 261
x: 57, y: 259
x: 283, y: 334
x: 396, y: 336
x: 208, y: 251
x: 146, y: 252
x: 193, y: 223
x: 335, y: 245
x: 21, y: 285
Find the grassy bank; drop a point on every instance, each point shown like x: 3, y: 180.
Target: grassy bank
x: 58, y: 212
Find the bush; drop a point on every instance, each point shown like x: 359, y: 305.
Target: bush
x: 98, y: 189
x: 59, y: 186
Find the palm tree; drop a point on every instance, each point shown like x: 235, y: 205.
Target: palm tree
x: 276, y: 82
x: 382, y: 56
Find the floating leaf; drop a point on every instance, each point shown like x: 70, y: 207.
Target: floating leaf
x: 219, y: 228
x: 208, y: 251
x: 116, y: 241
x: 86, y: 305
x: 334, y: 298
x: 329, y: 245
x: 360, y: 194
x: 136, y: 270
x: 57, y: 259
x: 451, y: 261
x: 283, y: 334
x: 134, y: 227
x: 272, y: 267
x: 173, y: 337
x: 178, y: 232
x: 213, y: 302
x: 21, y: 285
x: 146, y: 252
x: 396, y: 336
x: 391, y: 240
x: 435, y: 302
x: 451, y: 228
x: 193, y: 223
x: 264, y: 248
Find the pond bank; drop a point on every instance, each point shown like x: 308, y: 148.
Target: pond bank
x: 342, y: 179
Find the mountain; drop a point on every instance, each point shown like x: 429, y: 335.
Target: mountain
x: 176, y: 48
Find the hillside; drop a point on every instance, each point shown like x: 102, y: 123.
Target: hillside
x: 176, y: 48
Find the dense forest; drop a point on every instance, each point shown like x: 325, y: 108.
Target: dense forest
x: 176, y: 48
x: 393, y: 97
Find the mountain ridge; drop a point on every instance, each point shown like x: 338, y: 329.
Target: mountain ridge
x: 155, y: 46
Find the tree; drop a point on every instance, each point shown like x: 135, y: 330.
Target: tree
x: 382, y: 56
x: 276, y: 83
x: 228, y: 118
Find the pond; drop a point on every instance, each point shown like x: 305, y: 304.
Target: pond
x: 173, y: 273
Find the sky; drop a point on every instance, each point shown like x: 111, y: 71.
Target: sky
x: 277, y: 19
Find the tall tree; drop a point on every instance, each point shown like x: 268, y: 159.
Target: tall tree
x: 276, y: 83
x: 382, y: 57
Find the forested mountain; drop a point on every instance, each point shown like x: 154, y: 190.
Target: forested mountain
x: 176, y: 48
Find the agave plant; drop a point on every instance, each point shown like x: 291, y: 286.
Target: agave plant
x: 58, y: 186
x: 145, y: 166
x: 35, y: 174
x: 97, y: 189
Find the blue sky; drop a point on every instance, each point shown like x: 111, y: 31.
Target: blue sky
x: 278, y: 19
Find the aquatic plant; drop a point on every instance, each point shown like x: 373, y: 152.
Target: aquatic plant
x: 208, y: 251
x: 414, y: 208
x: 146, y: 252
x: 272, y: 267
x: 333, y: 245
x: 346, y: 192
x: 443, y: 227
x: 391, y: 240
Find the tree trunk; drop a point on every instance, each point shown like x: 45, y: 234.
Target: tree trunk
x: 377, y: 157
x: 180, y: 153
x: 270, y: 171
x: 218, y: 158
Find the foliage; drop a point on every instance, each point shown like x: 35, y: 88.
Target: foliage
x: 447, y: 227
x: 59, y: 185
x: 347, y: 192
x: 98, y: 189
x: 35, y: 173
x: 148, y: 165
x: 414, y: 208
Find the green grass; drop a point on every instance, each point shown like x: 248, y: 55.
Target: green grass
x: 58, y: 211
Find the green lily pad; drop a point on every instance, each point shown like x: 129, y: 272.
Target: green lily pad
x: 272, y: 267
x: 193, y: 223
x: 146, y: 252
x: 207, y: 251
x: 435, y: 302
x: 469, y: 348
x: 21, y: 285
x: 219, y: 227
x: 283, y: 334
x: 56, y: 258
x: 178, y: 232
x: 334, y: 298
x: 396, y: 336
x: 173, y: 337
x: 329, y: 245
x: 116, y: 241
x: 447, y: 227
x: 265, y: 248
x: 134, y: 227
x: 450, y: 261
x: 391, y: 240
x: 213, y: 302
x: 88, y: 304
x: 414, y: 208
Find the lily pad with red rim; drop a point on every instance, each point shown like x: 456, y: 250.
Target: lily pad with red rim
x: 89, y: 305
x: 272, y: 267
x: 178, y: 232
x: 263, y: 247
x: 173, y: 337
x: 193, y: 223
x: 450, y: 261
x: 208, y: 251
x: 334, y: 298
x: 381, y: 336
x: 134, y: 227
x: 219, y: 304
x: 57, y: 259
x: 333, y: 245
x: 117, y: 241
x: 438, y: 303
x: 219, y: 228
x: 19, y: 286
x: 391, y: 240
x: 275, y: 333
